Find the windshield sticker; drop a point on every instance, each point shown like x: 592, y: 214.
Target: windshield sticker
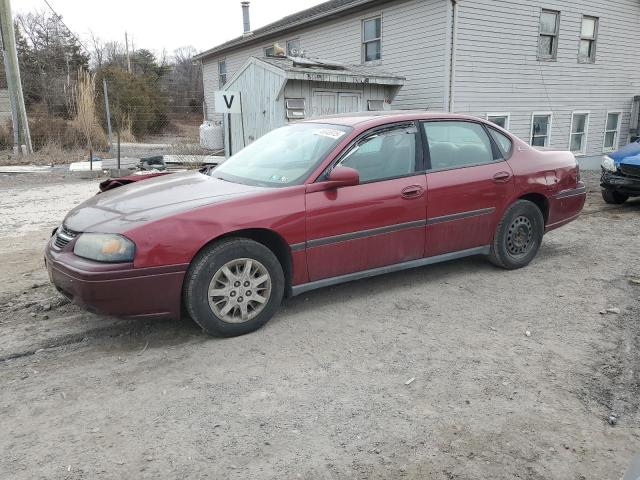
x: 329, y: 132
x: 278, y: 178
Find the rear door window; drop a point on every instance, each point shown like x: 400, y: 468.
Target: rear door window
x: 456, y: 144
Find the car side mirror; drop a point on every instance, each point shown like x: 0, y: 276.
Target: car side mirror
x: 338, y: 177
x: 343, y: 177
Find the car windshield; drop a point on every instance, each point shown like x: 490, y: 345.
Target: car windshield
x: 282, y: 157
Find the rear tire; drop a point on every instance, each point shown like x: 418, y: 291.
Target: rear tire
x: 518, y: 236
x: 614, y: 198
x: 233, y: 287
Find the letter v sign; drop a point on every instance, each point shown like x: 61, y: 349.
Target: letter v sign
x: 227, y: 102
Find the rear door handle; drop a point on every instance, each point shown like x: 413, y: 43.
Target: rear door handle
x: 412, y: 191
x: 501, y: 177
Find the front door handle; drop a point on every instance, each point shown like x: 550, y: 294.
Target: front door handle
x: 501, y: 177
x: 412, y: 191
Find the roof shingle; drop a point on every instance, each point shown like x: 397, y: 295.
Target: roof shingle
x: 319, y: 11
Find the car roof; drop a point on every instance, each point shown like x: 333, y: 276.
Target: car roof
x: 369, y: 119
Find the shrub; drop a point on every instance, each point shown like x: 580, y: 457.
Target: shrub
x: 135, y: 101
x: 47, y: 129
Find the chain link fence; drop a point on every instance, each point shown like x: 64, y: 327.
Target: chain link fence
x: 95, y: 100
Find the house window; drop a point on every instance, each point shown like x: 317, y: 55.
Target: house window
x: 372, y: 39
x: 578, y: 136
x: 222, y: 72
x: 588, y: 32
x: 270, y: 51
x: 500, y: 119
x: 540, y: 129
x: 612, y: 131
x: 548, y: 36
x: 293, y: 48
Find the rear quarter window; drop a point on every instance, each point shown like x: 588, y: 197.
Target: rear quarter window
x: 504, y: 143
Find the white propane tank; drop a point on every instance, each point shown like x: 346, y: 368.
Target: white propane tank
x: 211, y: 136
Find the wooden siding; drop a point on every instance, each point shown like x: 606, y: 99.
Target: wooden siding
x: 261, y: 112
x: 498, y: 71
x: 302, y: 89
x: 414, y: 44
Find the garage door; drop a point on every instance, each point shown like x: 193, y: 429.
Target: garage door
x: 348, y: 102
x: 327, y: 103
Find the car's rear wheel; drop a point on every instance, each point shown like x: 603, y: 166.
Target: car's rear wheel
x: 518, y: 236
x: 233, y: 287
x: 614, y: 198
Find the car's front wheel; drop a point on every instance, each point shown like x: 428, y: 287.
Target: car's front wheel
x: 614, y: 198
x: 233, y: 287
x: 518, y: 236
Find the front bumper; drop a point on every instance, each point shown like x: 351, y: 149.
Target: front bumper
x: 619, y: 182
x: 116, y: 289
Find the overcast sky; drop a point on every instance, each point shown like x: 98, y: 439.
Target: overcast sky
x: 154, y: 25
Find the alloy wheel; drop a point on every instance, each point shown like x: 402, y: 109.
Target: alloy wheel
x: 239, y: 290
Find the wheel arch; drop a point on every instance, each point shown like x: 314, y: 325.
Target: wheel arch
x: 270, y: 239
x: 541, y: 201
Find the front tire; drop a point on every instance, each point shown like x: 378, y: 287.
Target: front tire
x: 233, y: 287
x: 518, y: 236
x: 614, y: 198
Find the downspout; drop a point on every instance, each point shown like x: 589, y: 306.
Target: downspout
x: 452, y: 61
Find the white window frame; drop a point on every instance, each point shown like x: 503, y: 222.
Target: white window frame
x: 604, y: 139
x: 556, y: 37
x: 541, y: 114
x: 506, y: 115
x: 592, y: 58
x: 585, y: 134
x: 363, y: 43
x: 270, y: 47
x: 226, y: 73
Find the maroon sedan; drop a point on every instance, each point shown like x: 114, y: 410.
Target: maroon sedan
x: 309, y: 205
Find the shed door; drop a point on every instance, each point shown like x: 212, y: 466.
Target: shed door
x: 348, y: 102
x: 324, y: 103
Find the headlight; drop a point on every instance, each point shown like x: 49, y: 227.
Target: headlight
x: 104, y: 247
x: 608, y: 163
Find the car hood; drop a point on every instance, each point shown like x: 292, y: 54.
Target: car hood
x: 629, y: 154
x: 119, y: 209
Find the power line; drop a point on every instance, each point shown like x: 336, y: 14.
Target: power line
x: 59, y: 17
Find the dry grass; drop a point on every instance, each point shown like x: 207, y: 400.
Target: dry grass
x: 84, y: 104
x: 49, y: 154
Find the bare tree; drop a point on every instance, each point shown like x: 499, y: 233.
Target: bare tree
x: 98, y: 50
x: 48, y: 54
x: 184, y: 83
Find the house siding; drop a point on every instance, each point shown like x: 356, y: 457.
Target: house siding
x: 497, y: 69
x: 414, y: 40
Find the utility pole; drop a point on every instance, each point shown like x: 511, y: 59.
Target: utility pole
x: 14, y: 83
x: 126, y: 43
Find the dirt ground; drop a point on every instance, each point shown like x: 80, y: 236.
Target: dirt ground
x: 322, y: 391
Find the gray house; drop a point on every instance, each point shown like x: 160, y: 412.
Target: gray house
x: 560, y: 74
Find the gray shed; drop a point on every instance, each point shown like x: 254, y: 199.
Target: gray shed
x: 278, y: 90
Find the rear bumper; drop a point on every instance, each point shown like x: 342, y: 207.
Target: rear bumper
x: 119, y: 290
x: 618, y: 182
x: 566, y: 206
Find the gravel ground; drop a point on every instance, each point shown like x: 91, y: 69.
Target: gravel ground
x: 323, y: 390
